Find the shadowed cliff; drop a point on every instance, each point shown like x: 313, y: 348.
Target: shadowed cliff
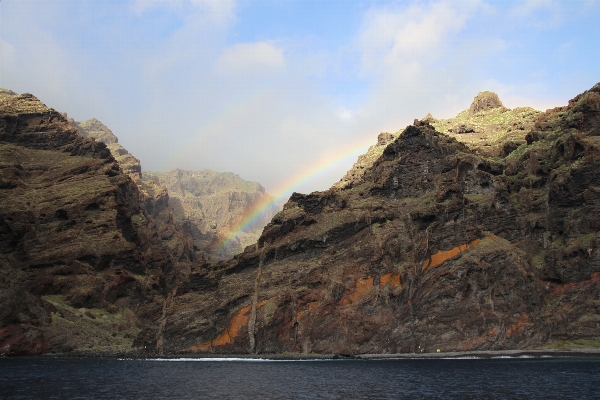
x: 83, y: 265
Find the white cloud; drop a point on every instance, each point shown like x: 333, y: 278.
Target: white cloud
x: 218, y: 10
x: 250, y: 57
x: 390, y: 36
x: 420, y: 61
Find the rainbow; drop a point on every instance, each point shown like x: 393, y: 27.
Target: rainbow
x: 343, y: 156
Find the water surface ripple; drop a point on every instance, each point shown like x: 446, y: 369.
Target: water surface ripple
x: 73, y: 378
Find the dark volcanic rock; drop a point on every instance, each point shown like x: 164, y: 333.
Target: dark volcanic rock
x: 427, y: 245
x: 82, y: 266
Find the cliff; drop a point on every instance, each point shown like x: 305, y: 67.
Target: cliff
x: 210, y: 205
x: 206, y: 205
x: 482, y: 239
x: 486, y: 243
x: 93, y: 128
x: 83, y: 266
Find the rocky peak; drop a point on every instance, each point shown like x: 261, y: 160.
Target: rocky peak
x: 92, y: 128
x: 429, y: 118
x: 484, y: 101
x: 210, y: 205
x: 487, y: 126
x: 434, y: 246
x: 95, y: 129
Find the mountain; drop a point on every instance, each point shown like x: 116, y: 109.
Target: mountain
x: 210, y: 205
x: 84, y: 266
x: 93, y: 128
x: 483, y: 239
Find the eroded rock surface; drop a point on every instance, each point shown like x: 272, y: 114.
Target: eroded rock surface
x: 82, y: 265
x: 434, y: 244
x: 211, y: 205
x: 430, y: 242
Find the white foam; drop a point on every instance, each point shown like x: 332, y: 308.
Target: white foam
x: 231, y: 359
x: 224, y: 359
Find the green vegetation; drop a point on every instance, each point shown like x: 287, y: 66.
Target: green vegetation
x: 92, y: 328
x: 574, y: 344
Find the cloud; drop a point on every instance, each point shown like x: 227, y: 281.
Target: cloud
x: 421, y: 59
x: 218, y: 10
x: 388, y: 36
x: 198, y: 84
x: 259, y: 57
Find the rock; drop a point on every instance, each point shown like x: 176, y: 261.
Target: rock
x: 73, y: 234
x: 429, y: 118
x: 484, y: 101
x: 384, y: 138
x: 432, y: 246
x: 493, y: 125
x: 206, y: 205
x: 210, y: 205
x: 460, y: 129
x: 93, y: 128
x: 427, y: 243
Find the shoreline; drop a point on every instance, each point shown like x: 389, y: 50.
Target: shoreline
x: 485, y: 354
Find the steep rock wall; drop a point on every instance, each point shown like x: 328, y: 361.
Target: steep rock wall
x: 82, y: 267
x: 434, y: 246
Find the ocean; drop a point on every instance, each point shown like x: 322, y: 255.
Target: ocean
x: 464, y: 378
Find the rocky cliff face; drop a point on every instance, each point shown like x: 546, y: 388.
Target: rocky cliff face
x: 93, y: 128
x: 430, y: 243
x: 207, y: 205
x: 83, y: 266
x: 154, y: 196
x: 210, y: 205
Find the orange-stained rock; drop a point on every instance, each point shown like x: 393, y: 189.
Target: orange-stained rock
x: 517, y: 327
x: 560, y: 289
x: 361, y: 288
x: 305, y: 310
x: 441, y: 256
x: 391, y: 279
x: 231, y: 332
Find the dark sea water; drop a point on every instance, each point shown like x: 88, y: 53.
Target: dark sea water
x: 501, y: 378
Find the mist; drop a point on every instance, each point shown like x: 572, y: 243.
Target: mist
x: 269, y: 89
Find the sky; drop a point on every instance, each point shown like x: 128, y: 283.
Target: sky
x: 288, y: 93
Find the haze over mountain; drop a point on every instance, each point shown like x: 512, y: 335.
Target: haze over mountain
x: 209, y: 205
x: 486, y: 240
x: 472, y: 228
x: 252, y: 87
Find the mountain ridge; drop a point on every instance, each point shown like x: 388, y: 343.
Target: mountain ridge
x: 436, y: 244
x: 208, y: 212
x: 435, y: 241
